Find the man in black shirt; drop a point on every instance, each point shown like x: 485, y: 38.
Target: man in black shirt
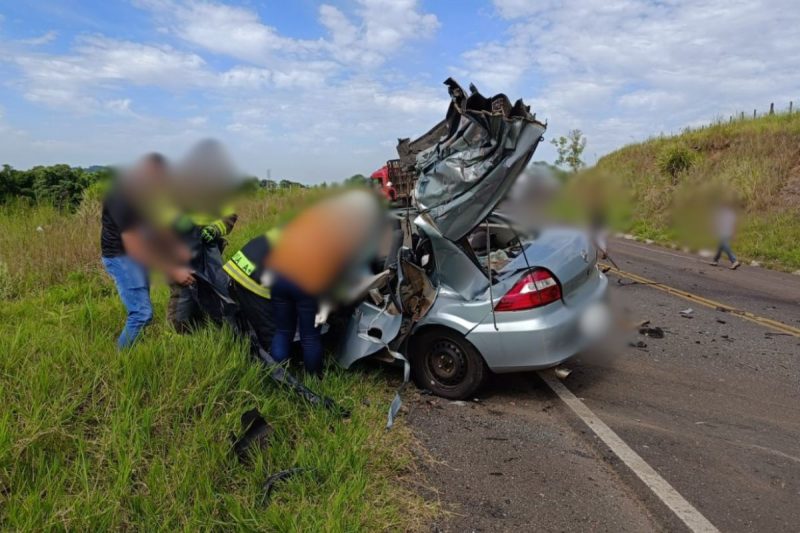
x: 125, y: 251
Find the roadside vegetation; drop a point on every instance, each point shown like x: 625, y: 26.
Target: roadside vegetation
x: 661, y: 189
x: 91, y: 439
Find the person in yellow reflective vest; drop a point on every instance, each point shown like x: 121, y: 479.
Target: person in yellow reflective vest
x: 245, y: 270
x: 183, y: 311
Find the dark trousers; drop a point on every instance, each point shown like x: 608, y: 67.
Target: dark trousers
x: 725, y: 246
x: 183, y: 312
x: 255, y: 312
x: 294, y: 309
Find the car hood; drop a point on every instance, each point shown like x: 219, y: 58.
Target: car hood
x: 467, y: 172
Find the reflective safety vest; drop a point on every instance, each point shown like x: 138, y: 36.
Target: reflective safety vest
x: 223, y: 220
x: 247, y: 265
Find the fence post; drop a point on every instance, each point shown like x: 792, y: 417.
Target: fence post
x: 790, y: 107
x: 772, y: 108
x: 754, y: 113
x: 742, y: 118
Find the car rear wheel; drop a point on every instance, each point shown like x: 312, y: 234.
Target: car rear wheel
x: 445, y: 363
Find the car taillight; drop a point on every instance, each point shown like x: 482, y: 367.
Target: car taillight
x: 536, y: 288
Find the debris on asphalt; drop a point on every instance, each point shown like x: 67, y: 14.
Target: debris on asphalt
x: 459, y: 403
x: 653, y: 333
x: 269, y: 484
x: 687, y: 313
x: 256, y: 433
x: 638, y: 344
x: 562, y: 372
x: 720, y: 321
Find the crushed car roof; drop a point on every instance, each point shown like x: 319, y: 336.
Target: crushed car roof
x: 468, y: 162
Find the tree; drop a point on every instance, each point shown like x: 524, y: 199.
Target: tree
x: 570, y: 149
x: 357, y: 179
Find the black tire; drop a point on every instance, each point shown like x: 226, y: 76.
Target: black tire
x: 445, y: 363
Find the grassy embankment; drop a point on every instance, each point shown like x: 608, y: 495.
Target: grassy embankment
x: 92, y: 440
x: 757, y: 160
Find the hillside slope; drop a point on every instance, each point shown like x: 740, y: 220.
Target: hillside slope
x: 671, y: 181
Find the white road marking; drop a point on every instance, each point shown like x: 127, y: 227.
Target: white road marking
x: 690, y: 516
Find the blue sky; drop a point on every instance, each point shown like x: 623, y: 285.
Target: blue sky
x: 317, y: 91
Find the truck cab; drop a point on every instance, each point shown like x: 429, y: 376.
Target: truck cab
x: 380, y: 180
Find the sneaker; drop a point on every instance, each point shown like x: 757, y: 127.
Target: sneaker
x: 735, y: 265
x: 714, y: 263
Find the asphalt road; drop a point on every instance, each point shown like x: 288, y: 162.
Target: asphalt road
x: 713, y: 407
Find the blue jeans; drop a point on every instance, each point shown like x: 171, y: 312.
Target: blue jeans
x: 133, y: 286
x: 725, y: 246
x: 293, y: 309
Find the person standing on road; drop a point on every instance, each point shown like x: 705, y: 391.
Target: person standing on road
x: 725, y: 227
x: 125, y: 249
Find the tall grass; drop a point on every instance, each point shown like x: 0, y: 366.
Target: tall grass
x: 757, y: 160
x: 92, y: 439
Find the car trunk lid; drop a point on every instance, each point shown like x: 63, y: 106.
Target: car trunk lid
x: 565, y: 252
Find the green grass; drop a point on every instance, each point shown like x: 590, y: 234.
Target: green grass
x: 92, y: 439
x: 754, y: 161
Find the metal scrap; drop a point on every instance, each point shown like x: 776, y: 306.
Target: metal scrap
x: 256, y: 433
x: 269, y: 484
x: 652, y: 332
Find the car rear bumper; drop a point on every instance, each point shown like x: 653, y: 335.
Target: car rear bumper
x: 543, y: 337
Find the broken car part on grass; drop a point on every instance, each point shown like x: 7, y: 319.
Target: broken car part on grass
x: 463, y: 289
x: 256, y: 433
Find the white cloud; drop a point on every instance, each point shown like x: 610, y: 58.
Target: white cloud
x: 224, y: 29
x: 73, y: 81
x: 385, y: 27
x: 42, y: 39
x: 121, y: 106
x: 381, y: 29
x: 636, y: 67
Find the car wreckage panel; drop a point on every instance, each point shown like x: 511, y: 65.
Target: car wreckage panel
x: 368, y: 331
x: 484, y: 144
x: 537, y: 338
x: 468, y: 172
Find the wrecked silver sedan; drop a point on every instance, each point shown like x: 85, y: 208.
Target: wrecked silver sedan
x: 463, y: 290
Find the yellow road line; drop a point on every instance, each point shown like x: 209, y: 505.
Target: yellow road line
x: 747, y: 315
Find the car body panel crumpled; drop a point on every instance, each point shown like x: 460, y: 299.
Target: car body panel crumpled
x: 468, y: 171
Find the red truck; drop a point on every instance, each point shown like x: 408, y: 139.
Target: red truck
x: 395, y: 182
x: 382, y: 181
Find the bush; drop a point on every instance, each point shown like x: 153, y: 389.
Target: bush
x: 676, y: 159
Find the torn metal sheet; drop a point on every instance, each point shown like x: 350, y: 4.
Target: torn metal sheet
x: 562, y: 372
x: 397, y: 401
x: 368, y: 331
x: 468, y: 171
x: 416, y: 291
